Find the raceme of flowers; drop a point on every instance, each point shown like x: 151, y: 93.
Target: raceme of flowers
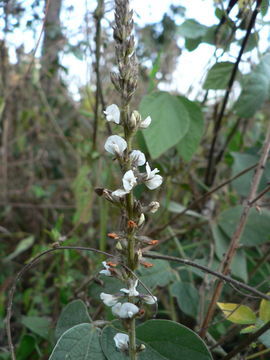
x: 117, y: 146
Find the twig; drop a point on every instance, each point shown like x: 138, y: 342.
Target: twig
x: 19, y: 275
x: 219, y: 275
x: 238, y: 232
x: 98, y: 16
x: 210, y: 171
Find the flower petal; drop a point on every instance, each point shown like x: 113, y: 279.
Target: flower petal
x: 112, y: 113
x: 146, y: 122
x: 137, y: 158
x: 121, y: 341
x: 129, y: 180
x: 115, y: 145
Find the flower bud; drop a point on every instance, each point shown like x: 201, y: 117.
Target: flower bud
x: 135, y: 119
x: 141, y: 220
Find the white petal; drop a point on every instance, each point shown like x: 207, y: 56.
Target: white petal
x: 125, y: 310
x: 129, y: 180
x: 154, y: 182
x: 128, y: 310
x: 148, y: 170
x: 105, y: 272
x: 148, y: 299
x: 119, y: 193
x: 154, y: 206
x: 115, y: 145
x: 121, y: 341
x: 116, y: 309
x: 137, y: 157
x: 112, y: 113
x: 145, y: 123
x: 108, y: 299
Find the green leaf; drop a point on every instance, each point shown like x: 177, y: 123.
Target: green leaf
x: 192, y: 29
x: 265, y: 339
x: 255, y: 89
x: 257, y: 227
x: 170, y: 122
x: 26, y: 347
x: 83, y: 193
x: 39, y: 325
x: 187, y: 297
x: 264, y: 7
x: 218, y: 76
x: 249, y: 329
x: 23, y: 245
x: 192, y: 44
x: 190, y: 142
x: 79, y: 342
x: 222, y: 241
x: 238, y: 314
x: 73, y: 314
x: 177, y: 208
x: 172, y: 341
x: 161, y: 274
x: 243, y: 183
x: 264, y: 312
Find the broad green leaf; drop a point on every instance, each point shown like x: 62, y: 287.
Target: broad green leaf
x: 190, y: 142
x: 83, y: 193
x: 264, y: 312
x: 222, y: 241
x: 218, y: 76
x: 23, y: 245
x: 238, y: 314
x: 172, y: 341
x: 255, y: 89
x: 38, y: 325
x: 73, y: 314
x: 264, y: 7
x: 243, y: 183
x: 26, y: 347
x: 252, y: 42
x: 192, y: 29
x: 170, y: 122
x: 78, y: 343
x: 187, y: 297
x: 161, y: 274
x: 257, y: 227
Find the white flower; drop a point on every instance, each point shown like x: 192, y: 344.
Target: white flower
x: 119, y: 193
x: 154, y: 206
x: 108, y: 299
x: 125, y: 310
x: 121, y: 341
x: 137, y: 157
x: 112, y: 113
x: 152, y: 180
x: 145, y: 123
x: 132, y: 288
x: 115, y: 145
x: 129, y: 180
x: 149, y: 299
x: 106, y: 271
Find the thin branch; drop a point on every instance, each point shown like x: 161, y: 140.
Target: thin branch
x: 98, y: 16
x: 234, y: 244
x: 19, y: 275
x: 219, y: 275
x: 210, y: 171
